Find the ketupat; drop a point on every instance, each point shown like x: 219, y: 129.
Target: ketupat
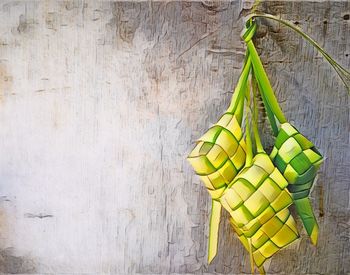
x: 257, y: 200
x: 258, y: 209
x: 298, y: 159
x: 220, y: 154
x: 293, y: 154
x: 218, y: 157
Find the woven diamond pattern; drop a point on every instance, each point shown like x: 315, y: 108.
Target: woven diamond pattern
x: 298, y: 160
x: 257, y: 200
x: 219, y: 154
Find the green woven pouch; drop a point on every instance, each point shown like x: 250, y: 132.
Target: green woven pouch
x: 293, y: 154
x: 298, y: 159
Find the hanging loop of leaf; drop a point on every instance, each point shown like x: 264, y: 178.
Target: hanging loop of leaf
x: 343, y: 73
x: 262, y: 78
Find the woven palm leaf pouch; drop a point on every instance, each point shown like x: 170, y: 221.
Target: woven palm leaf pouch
x: 293, y: 154
x: 296, y: 157
x: 258, y: 200
x: 220, y: 154
x: 254, y: 187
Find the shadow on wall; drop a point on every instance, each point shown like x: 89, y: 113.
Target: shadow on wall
x: 9, y: 263
x: 13, y: 264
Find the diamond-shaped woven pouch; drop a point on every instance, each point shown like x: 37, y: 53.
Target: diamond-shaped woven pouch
x: 219, y: 154
x: 257, y: 201
x: 294, y: 155
x: 217, y: 158
x: 298, y: 159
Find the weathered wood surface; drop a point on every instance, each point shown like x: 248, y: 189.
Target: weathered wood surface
x: 102, y: 101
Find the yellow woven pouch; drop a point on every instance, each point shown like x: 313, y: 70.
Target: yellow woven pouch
x: 220, y: 154
x: 257, y: 200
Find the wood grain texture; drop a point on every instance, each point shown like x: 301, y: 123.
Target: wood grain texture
x: 100, y: 103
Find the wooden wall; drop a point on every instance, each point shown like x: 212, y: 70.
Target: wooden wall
x: 100, y: 103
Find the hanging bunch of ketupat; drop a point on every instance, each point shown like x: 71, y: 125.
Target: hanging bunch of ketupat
x: 256, y: 188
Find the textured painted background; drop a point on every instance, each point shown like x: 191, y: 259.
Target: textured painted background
x: 100, y: 102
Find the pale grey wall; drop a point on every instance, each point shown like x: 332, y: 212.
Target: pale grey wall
x: 100, y: 104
